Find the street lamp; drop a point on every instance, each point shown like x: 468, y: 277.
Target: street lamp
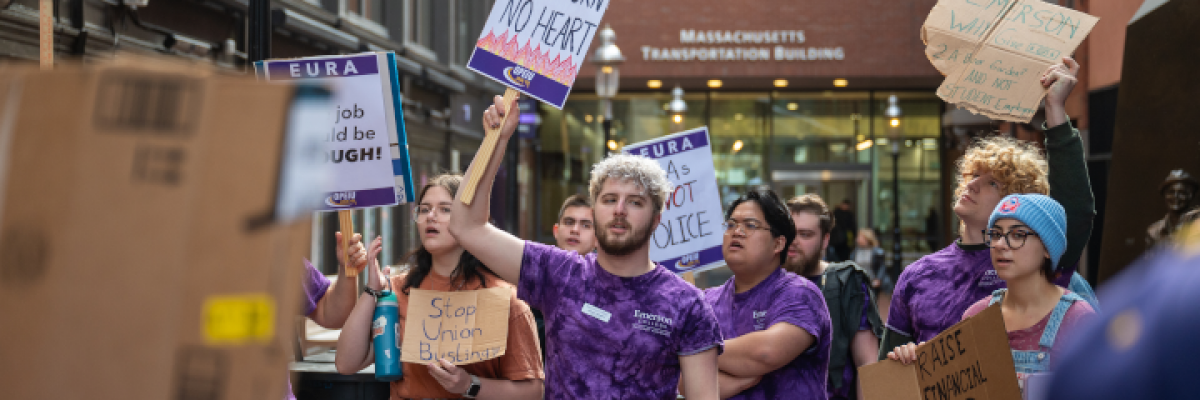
x: 677, y: 108
x: 607, y: 58
x: 893, y: 114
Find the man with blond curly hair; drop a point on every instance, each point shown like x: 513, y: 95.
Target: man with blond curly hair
x: 933, y: 292
x: 618, y: 326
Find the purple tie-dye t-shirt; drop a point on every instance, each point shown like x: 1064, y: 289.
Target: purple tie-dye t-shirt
x: 933, y: 292
x: 783, y: 297
x: 610, y: 337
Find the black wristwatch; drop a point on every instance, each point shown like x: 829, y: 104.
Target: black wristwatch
x: 474, y: 389
x: 373, y: 292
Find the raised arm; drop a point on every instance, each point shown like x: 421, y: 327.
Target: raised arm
x: 759, y: 353
x: 497, y: 249
x: 1068, y: 175
x: 335, y: 306
x: 354, y: 350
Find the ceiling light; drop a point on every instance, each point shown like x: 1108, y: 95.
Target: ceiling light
x: 654, y: 84
x: 715, y: 83
x: 840, y: 82
x: 781, y: 83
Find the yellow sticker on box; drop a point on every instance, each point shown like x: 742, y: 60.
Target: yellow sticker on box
x: 234, y: 319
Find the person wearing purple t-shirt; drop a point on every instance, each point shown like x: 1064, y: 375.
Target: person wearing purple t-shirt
x: 933, y: 293
x: 329, y: 303
x: 856, y: 324
x: 618, y: 326
x: 776, y: 321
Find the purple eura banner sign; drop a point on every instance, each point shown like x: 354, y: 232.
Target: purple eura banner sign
x: 323, y: 68
x: 519, y: 78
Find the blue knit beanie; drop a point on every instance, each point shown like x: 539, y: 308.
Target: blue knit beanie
x: 1041, y: 214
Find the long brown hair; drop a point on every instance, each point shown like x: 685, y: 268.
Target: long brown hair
x: 421, y: 259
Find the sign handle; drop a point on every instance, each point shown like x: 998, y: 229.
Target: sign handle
x: 46, y: 31
x: 487, y: 149
x: 346, y: 218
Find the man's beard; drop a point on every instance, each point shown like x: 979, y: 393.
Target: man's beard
x: 633, y: 241
x: 803, y: 264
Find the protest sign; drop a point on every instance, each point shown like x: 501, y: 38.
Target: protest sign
x: 994, y: 51
x: 461, y: 327
x: 970, y: 360
x: 366, y: 146
x: 537, y: 46
x: 689, y: 236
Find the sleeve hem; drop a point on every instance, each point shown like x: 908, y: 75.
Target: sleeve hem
x: 720, y: 348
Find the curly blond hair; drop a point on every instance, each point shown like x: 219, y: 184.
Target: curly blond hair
x: 1018, y: 166
x: 643, y: 171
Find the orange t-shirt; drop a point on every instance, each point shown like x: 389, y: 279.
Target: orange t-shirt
x: 522, y: 359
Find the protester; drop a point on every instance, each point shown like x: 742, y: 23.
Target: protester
x: 1143, y: 344
x: 329, y: 303
x: 441, y: 264
x: 845, y: 287
x: 575, y: 229
x: 933, y: 292
x: 617, y: 324
x: 776, y: 323
x: 842, y: 241
x: 1027, y: 237
x: 870, y: 256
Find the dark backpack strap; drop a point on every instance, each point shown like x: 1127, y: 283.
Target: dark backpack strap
x: 843, y: 292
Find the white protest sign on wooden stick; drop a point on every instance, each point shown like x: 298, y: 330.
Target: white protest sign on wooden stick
x: 535, y: 47
x: 994, y: 51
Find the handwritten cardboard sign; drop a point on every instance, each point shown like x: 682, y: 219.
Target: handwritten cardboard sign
x: 366, y: 147
x: 993, y: 52
x: 537, y: 46
x: 970, y: 360
x: 689, y: 237
x: 461, y: 327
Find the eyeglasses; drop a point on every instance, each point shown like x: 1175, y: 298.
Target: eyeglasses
x: 428, y: 209
x: 746, y: 227
x: 1014, y: 237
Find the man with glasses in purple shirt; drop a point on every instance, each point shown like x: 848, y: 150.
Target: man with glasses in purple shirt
x: 618, y: 326
x: 778, y: 326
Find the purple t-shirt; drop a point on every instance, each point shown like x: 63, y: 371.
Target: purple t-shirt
x: 315, y: 285
x: 610, y: 337
x: 933, y: 292
x: 783, y: 297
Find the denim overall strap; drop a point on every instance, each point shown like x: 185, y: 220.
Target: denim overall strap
x: 1056, y: 318
x: 997, y: 296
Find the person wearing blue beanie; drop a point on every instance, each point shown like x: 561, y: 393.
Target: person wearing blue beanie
x: 1027, y: 236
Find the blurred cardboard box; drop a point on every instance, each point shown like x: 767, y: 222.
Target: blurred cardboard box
x: 139, y: 258
x: 970, y: 360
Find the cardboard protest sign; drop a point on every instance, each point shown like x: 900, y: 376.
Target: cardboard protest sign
x: 537, y: 46
x: 367, y: 145
x: 461, y: 327
x: 994, y: 51
x: 689, y: 237
x: 970, y: 360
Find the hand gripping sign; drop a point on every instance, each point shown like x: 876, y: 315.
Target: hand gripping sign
x: 994, y: 51
x: 534, y: 47
x: 689, y: 236
x: 366, y: 147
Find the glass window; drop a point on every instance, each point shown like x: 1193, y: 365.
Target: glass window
x: 422, y: 23
x: 828, y: 127
x: 918, y: 161
x: 739, y: 126
x: 469, y: 15
x: 367, y: 14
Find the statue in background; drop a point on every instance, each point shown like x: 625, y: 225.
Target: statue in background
x: 1178, y: 191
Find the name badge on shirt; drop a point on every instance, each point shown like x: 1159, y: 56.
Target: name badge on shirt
x: 596, y: 312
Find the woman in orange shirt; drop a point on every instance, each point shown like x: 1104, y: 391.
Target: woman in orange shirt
x: 441, y: 264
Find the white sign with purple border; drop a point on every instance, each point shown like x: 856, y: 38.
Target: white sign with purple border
x: 689, y: 236
x: 537, y: 46
x: 365, y: 147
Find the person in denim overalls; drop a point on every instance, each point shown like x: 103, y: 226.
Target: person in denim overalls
x: 1027, y: 236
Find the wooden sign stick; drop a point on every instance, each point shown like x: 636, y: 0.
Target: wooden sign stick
x: 487, y: 149
x: 346, y: 218
x: 46, y: 31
